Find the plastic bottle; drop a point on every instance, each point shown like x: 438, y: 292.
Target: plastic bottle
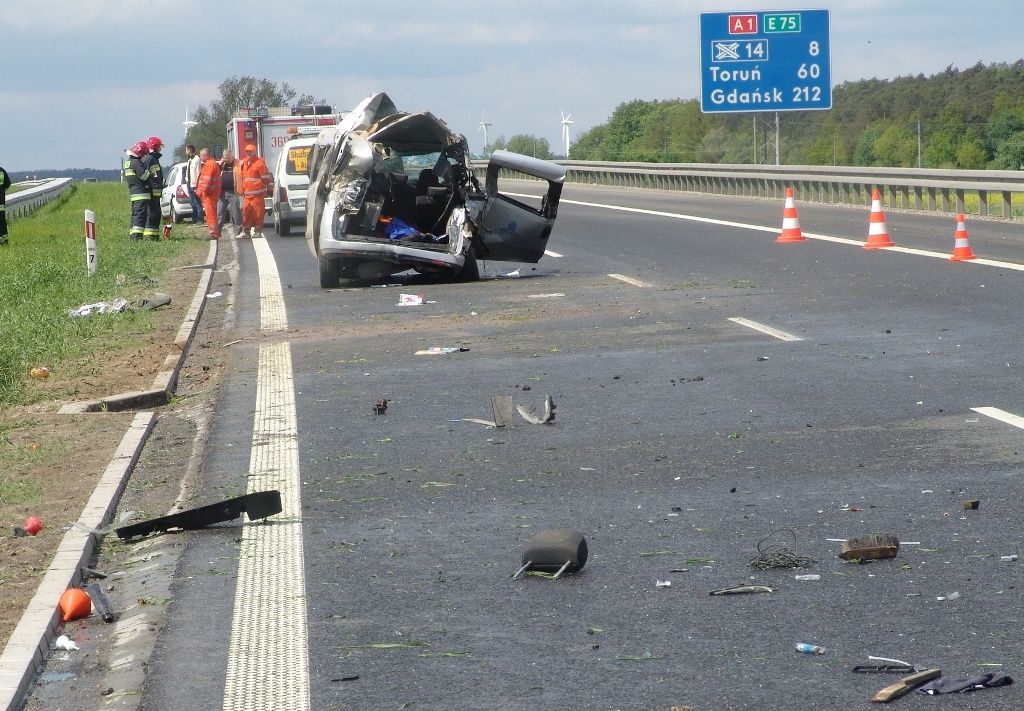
x: 809, y: 576
x: 805, y: 648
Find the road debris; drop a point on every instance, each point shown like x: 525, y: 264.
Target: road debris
x: 742, y: 590
x: 66, y: 643
x: 380, y: 407
x: 663, y: 584
x: 961, y: 685
x: 561, y: 550
x: 215, y: 295
x: 1012, y: 558
x: 33, y: 525
x: 104, y: 530
x: 40, y: 372
x: 807, y: 648
x: 441, y: 350
x: 972, y: 505
x: 259, y: 504
x: 874, y: 546
x: 100, y: 601
x: 153, y: 302
x: 777, y: 555
x: 948, y: 596
x: 813, y: 576
x: 74, y: 604
x: 412, y: 300
x: 530, y: 416
x: 100, y: 307
x: 904, y: 686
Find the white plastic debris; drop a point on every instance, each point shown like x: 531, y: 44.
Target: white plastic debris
x: 948, y: 596
x: 810, y: 576
x: 100, y: 307
x: 1012, y: 558
x: 410, y: 299
x: 65, y: 642
x: 215, y: 295
x: 663, y: 584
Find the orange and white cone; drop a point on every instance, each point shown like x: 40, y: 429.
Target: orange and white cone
x: 961, y: 247
x: 878, y: 233
x: 790, y: 221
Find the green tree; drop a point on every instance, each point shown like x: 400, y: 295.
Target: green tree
x: 896, y: 147
x: 237, y: 93
x: 529, y: 145
x: 971, y: 153
x: 864, y: 153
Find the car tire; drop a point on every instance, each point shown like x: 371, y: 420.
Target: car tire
x: 328, y: 272
x: 176, y: 217
x: 280, y: 226
x: 470, y: 269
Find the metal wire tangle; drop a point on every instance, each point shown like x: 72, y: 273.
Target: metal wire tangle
x: 778, y: 556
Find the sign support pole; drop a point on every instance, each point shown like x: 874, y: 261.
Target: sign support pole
x: 90, y: 241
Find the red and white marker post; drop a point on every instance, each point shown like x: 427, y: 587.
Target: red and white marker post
x: 90, y: 241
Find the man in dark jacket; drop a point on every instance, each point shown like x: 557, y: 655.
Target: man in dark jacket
x: 228, y: 206
x: 137, y: 177
x: 5, y: 182
x: 151, y: 162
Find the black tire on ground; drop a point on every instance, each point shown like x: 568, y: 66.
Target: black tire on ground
x: 328, y: 272
x: 176, y: 217
x: 470, y: 270
x: 280, y: 226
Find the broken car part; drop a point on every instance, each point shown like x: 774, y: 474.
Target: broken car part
x: 546, y: 417
x: 904, y: 686
x: 742, y: 590
x: 874, y: 546
x: 558, y: 550
x: 100, y: 602
x: 256, y: 505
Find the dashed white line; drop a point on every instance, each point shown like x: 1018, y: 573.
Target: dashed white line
x: 630, y: 280
x: 781, y: 335
x: 1002, y: 415
x: 549, y: 253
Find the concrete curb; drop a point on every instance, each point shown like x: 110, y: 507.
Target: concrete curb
x: 31, y: 640
x: 167, y: 379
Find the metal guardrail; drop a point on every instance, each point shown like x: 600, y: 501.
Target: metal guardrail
x: 25, y: 202
x: 907, y: 188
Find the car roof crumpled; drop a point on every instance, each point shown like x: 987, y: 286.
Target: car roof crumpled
x: 413, y: 133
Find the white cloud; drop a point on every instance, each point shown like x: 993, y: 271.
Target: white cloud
x: 58, y: 17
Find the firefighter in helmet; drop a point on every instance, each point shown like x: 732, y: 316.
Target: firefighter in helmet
x: 151, y: 162
x: 136, y: 175
x: 256, y: 184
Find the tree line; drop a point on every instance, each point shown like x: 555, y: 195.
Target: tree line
x: 970, y: 119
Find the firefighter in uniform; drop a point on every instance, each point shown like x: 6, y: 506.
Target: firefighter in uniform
x: 151, y: 162
x: 256, y: 184
x: 137, y: 177
x: 208, y: 190
x: 5, y: 183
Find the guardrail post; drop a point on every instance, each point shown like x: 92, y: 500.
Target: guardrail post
x: 960, y: 200
x: 918, y: 198
x: 1007, y: 204
x: 983, y: 203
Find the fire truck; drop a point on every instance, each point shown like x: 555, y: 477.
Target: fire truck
x: 270, y: 128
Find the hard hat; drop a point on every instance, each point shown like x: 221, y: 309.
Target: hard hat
x: 140, y: 149
x: 250, y: 147
x: 154, y: 142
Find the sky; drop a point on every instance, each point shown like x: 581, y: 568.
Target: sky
x: 83, y: 79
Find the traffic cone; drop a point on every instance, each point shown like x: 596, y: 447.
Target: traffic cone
x: 961, y: 247
x: 790, y: 221
x: 74, y: 604
x: 878, y: 233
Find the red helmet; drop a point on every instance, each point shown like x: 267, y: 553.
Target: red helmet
x: 154, y: 143
x: 140, y: 149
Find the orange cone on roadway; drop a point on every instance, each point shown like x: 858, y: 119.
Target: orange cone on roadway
x: 878, y: 233
x: 961, y: 247
x: 790, y: 221
x: 75, y: 603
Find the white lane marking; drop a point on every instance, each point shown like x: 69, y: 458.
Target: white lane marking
x: 630, y: 280
x: 268, y: 656
x: 1002, y: 415
x: 781, y: 335
x: 809, y: 235
x: 549, y: 253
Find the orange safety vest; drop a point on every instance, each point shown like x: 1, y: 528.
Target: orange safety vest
x: 208, y: 184
x: 255, y: 177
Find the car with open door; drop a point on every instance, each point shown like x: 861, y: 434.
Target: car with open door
x: 392, y: 191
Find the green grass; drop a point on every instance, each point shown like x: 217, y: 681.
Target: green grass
x: 43, y: 274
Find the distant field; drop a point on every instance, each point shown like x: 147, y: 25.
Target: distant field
x: 44, y: 275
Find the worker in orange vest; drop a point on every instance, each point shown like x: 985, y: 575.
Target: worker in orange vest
x: 256, y: 184
x: 208, y: 190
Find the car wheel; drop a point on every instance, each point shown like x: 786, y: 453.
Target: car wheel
x: 328, y: 272
x: 176, y: 216
x: 280, y: 226
x: 470, y: 270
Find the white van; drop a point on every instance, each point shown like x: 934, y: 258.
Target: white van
x: 291, y: 183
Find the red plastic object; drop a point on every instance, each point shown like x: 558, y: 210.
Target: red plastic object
x: 33, y: 525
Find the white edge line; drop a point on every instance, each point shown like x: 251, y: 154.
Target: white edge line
x: 549, y: 253
x: 630, y: 280
x: 1002, y: 415
x: 781, y: 335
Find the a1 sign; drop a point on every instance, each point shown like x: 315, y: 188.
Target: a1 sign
x: 765, y: 61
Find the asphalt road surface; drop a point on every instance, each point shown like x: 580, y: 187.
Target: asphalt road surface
x: 681, y: 440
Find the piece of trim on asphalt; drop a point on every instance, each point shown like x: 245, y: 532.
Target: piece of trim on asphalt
x: 630, y: 280
x: 549, y: 253
x: 774, y: 332
x: 1002, y: 415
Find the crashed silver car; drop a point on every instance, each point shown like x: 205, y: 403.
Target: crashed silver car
x: 391, y: 191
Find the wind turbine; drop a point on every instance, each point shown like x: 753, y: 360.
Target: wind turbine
x: 482, y: 126
x: 566, y: 122
x: 188, y: 123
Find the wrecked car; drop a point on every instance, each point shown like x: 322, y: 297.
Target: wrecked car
x: 392, y: 191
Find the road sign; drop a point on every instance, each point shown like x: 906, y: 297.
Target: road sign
x: 765, y: 61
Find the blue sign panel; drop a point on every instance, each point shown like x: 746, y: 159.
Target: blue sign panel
x: 765, y: 61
